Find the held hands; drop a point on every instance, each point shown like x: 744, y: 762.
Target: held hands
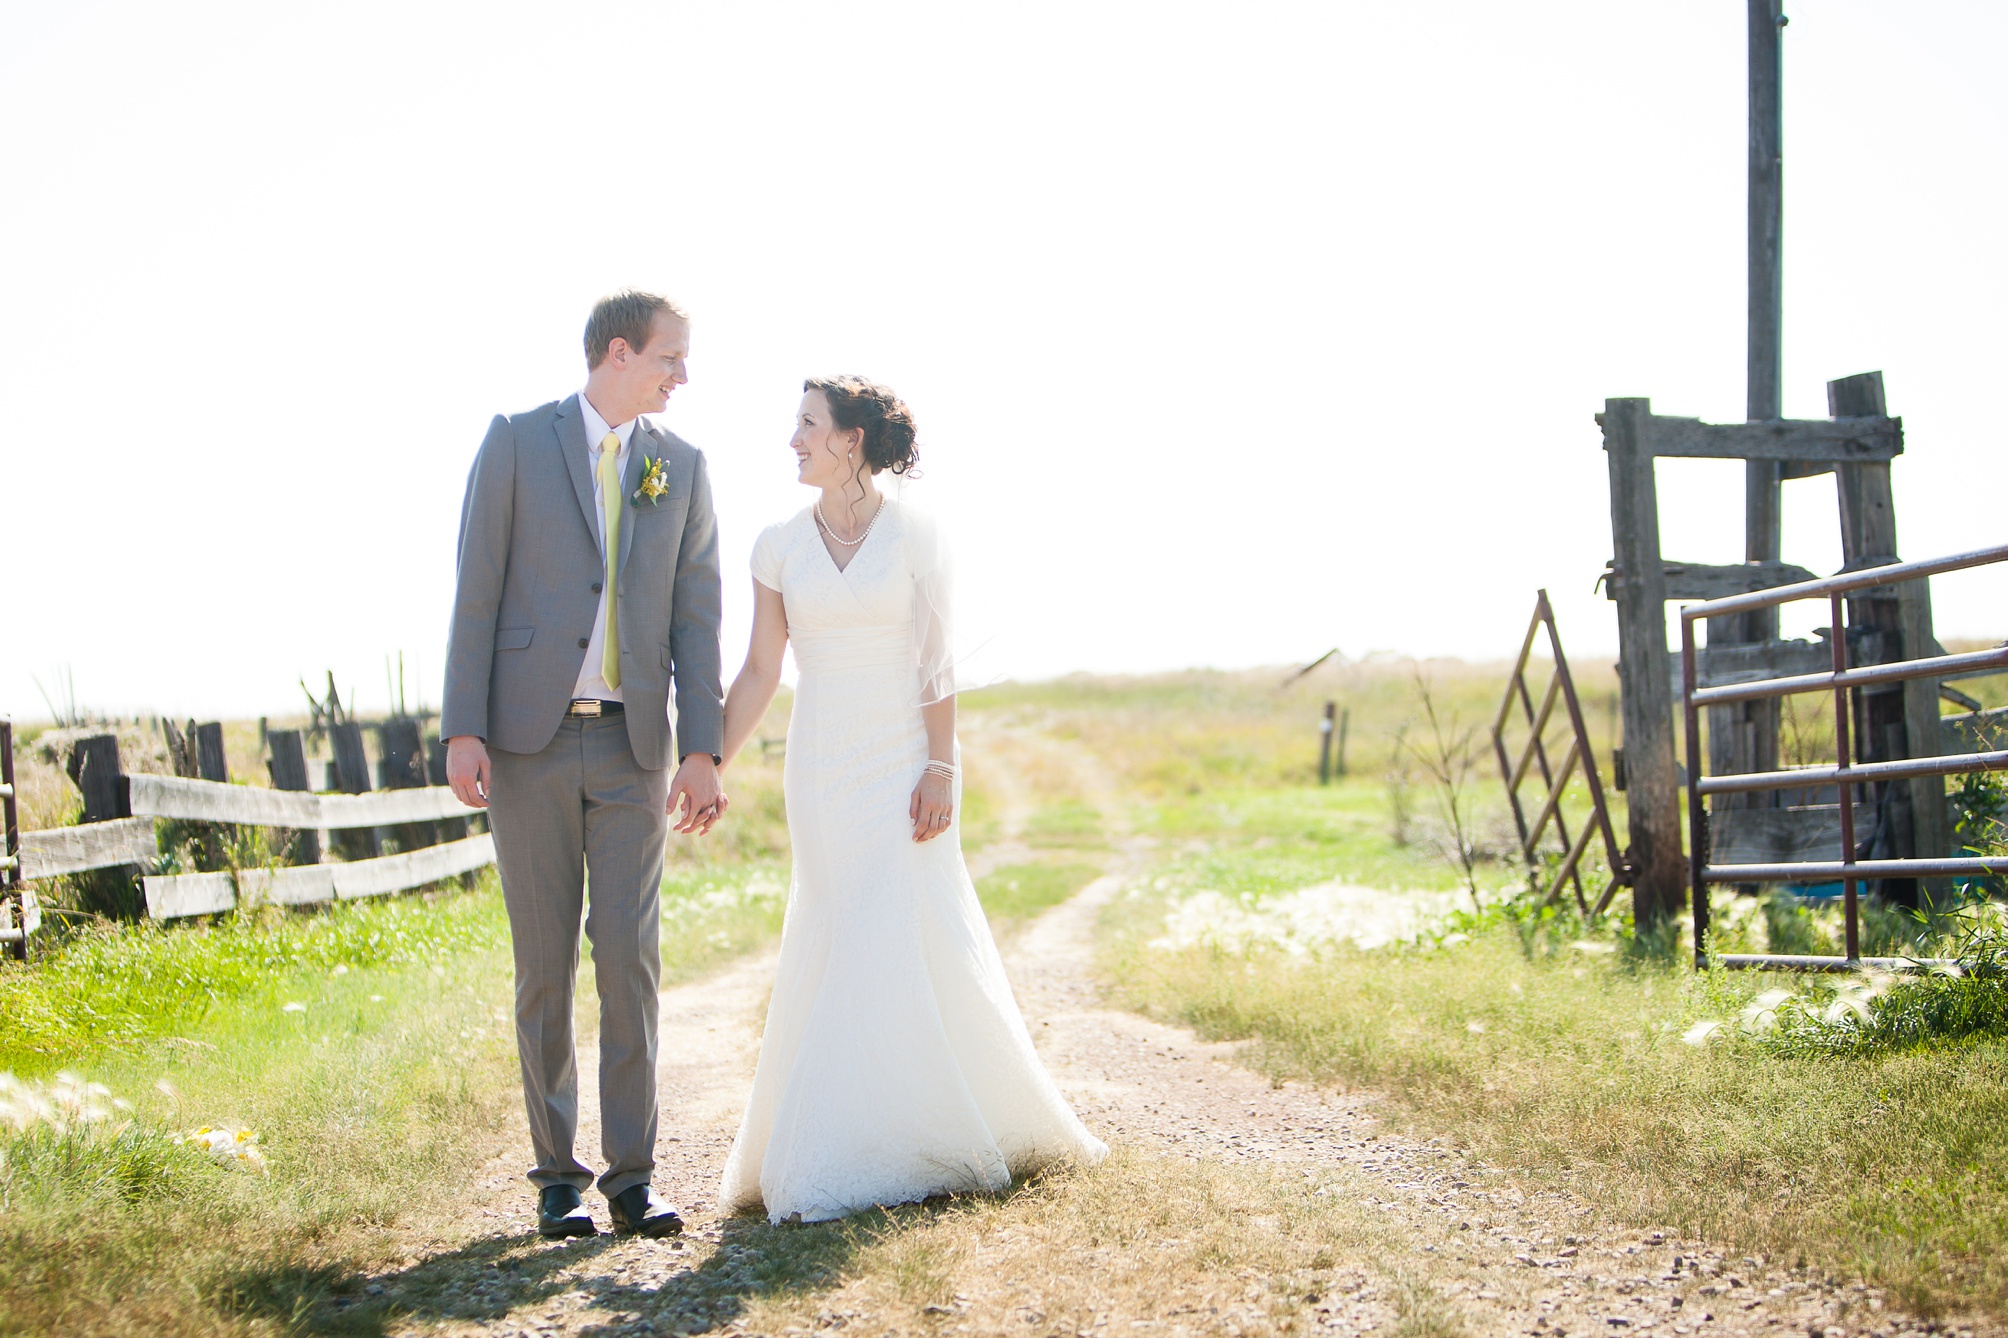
x: 697, y: 789
x: 932, y: 806
x: 467, y: 769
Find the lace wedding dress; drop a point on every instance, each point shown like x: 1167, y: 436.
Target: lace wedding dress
x: 895, y: 1064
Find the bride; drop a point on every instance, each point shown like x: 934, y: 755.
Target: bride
x: 895, y: 1064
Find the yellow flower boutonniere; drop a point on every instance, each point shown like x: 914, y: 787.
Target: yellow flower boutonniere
x: 654, y: 481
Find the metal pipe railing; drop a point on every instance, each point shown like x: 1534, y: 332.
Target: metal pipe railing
x: 1936, y: 666
x: 1846, y: 774
x: 1847, y: 582
x: 1861, y: 773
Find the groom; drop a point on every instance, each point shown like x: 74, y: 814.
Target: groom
x: 588, y: 582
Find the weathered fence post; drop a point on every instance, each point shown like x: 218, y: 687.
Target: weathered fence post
x: 289, y: 772
x: 352, y: 764
x: 352, y: 776
x: 401, y: 758
x: 401, y: 766
x: 210, y: 764
x: 1660, y: 886
x: 1345, y: 721
x: 1326, y: 727
x: 10, y: 857
x: 1892, y: 723
x: 94, y: 769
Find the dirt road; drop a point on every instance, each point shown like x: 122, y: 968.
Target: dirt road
x: 1458, y: 1247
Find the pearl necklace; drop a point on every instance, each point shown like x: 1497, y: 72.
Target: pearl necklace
x: 849, y: 543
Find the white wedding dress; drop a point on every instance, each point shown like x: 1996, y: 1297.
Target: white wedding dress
x: 895, y: 1064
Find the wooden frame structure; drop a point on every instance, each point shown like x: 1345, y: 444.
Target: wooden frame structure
x: 1885, y: 625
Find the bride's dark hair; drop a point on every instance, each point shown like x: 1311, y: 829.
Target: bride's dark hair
x: 884, y: 418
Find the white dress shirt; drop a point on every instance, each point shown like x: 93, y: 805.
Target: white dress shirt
x: 590, y: 683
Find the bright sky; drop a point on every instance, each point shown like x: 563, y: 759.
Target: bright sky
x: 1234, y: 331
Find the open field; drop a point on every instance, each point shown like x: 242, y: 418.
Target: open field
x: 1498, y: 1130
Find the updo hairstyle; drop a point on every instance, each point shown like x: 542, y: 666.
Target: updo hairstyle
x: 886, y: 421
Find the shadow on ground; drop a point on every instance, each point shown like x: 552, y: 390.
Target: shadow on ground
x: 601, y: 1286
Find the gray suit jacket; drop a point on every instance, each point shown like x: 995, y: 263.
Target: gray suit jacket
x: 528, y: 591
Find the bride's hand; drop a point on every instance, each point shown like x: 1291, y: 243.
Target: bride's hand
x: 931, y: 807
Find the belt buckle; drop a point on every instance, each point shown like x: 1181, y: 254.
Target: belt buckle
x: 587, y: 707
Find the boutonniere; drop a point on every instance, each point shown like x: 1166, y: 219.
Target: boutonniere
x: 654, y: 481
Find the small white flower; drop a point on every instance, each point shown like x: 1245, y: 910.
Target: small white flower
x: 227, y: 1145
x: 294, y: 1007
x: 342, y: 969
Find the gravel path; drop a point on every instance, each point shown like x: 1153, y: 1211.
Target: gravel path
x: 1503, y: 1260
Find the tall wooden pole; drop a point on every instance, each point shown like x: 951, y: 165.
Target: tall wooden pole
x: 1764, y: 343
x: 1744, y: 737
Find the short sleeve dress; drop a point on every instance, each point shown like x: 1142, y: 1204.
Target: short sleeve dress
x: 895, y: 1065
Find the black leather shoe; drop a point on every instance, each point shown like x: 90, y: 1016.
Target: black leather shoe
x: 639, y: 1209
x: 561, y: 1212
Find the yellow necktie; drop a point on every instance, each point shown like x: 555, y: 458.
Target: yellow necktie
x: 610, y: 508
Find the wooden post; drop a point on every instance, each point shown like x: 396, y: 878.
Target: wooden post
x: 1744, y: 736
x: 1890, y: 623
x: 401, y: 766
x: 1345, y: 722
x: 1660, y: 887
x: 289, y: 772
x: 1325, y: 728
x: 352, y: 765
x: 210, y: 764
x: 1765, y: 291
x: 94, y: 767
x: 352, y: 776
x: 10, y: 873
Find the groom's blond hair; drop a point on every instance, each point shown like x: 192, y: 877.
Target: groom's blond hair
x: 629, y: 314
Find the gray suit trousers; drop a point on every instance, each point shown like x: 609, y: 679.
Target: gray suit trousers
x: 584, y: 806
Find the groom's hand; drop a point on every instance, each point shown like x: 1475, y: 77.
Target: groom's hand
x: 467, y: 769
x: 697, y: 790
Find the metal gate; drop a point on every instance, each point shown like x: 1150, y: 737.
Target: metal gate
x: 1846, y: 775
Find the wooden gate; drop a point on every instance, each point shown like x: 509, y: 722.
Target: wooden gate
x: 1555, y: 778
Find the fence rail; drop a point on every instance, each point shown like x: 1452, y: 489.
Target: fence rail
x: 123, y: 841
x: 1846, y: 774
x: 211, y: 801
x: 169, y: 896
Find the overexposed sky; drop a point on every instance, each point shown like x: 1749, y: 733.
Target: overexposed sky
x: 1234, y: 331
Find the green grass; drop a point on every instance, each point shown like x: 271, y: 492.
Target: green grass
x: 1871, y: 1150
x: 1065, y: 824
x: 1021, y: 891
x: 1257, y: 840
x: 1568, y: 1065
x: 370, y: 1046
x: 115, y: 987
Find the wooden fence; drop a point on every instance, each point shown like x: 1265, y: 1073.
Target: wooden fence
x: 141, y: 800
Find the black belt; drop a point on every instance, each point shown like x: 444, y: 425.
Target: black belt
x: 588, y: 707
